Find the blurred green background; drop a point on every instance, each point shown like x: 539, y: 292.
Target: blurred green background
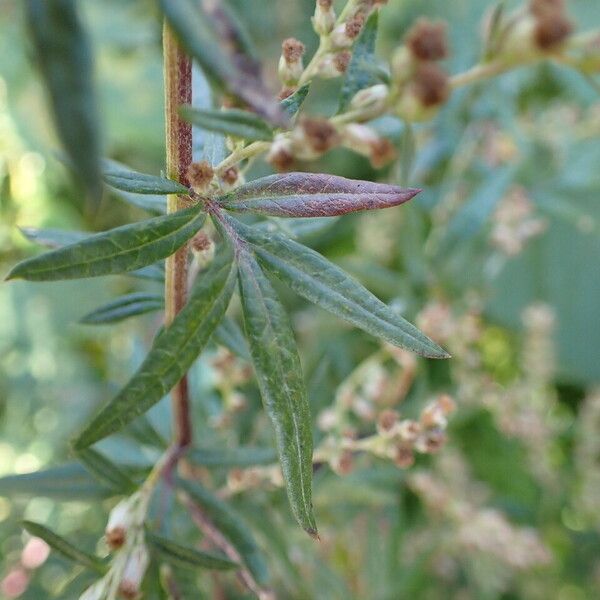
x: 499, y: 258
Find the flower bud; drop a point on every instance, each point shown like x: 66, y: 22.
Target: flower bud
x: 403, y: 455
x: 343, y: 463
x: 120, y: 520
x: 344, y: 35
x: 324, y: 18
x: 280, y: 154
x: 203, y: 249
x: 408, y: 430
x: 290, y: 63
x: 314, y: 136
x: 426, y: 40
x: 200, y: 175
x: 432, y: 416
x: 334, y: 65
x: 428, y: 89
x: 366, y: 141
x: 402, y: 65
x: 551, y: 30
x: 133, y: 573
x: 431, y: 441
x: 327, y: 419
x: 373, y: 98
x: 386, y: 422
x: 230, y: 178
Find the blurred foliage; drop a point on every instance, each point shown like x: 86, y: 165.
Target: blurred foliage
x: 522, y: 454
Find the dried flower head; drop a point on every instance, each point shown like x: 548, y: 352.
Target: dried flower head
x: 230, y: 176
x: 387, y: 421
x: 119, y: 522
x: 341, y: 60
x: 354, y: 25
x: 403, y: 455
x: 382, y: 153
x: 281, y: 155
x: 552, y: 29
x: 343, y: 463
x: 292, y: 50
x: 200, y: 175
x: 319, y: 134
x: 431, y: 84
x: 133, y: 573
x: 427, y: 40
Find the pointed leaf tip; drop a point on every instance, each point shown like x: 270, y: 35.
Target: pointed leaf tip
x: 313, y: 195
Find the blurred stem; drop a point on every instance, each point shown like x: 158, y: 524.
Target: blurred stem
x: 178, y: 90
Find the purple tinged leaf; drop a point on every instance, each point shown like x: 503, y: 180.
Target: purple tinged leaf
x: 313, y: 195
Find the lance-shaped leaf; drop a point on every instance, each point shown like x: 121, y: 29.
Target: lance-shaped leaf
x: 66, y: 482
x: 231, y: 525
x: 65, y: 547
x: 141, y: 183
x: 279, y: 373
x: 291, y: 105
x: 187, y: 558
x: 118, y: 250
x: 212, y: 38
x: 362, y: 70
x: 313, y: 195
x: 234, y: 122
x: 244, y: 456
x: 173, y: 352
x: 64, y: 56
x: 320, y: 281
x: 106, y: 471
x: 124, y: 307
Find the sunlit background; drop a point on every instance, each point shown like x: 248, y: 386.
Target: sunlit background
x: 498, y: 259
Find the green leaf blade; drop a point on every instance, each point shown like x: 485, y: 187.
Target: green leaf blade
x: 295, y: 195
x: 141, y: 183
x: 118, y: 250
x: 124, y: 307
x: 277, y: 365
x: 234, y: 122
x: 172, y: 353
x: 64, y: 56
x: 315, y: 278
x: 292, y: 104
x: 65, y: 548
x: 188, y: 558
x: 106, y: 471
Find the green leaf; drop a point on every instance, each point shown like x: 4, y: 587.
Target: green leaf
x: 229, y: 334
x: 315, y: 278
x: 313, y: 195
x: 291, y: 105
x: 106, y: 471
x: 243, y: 456
x: 155, y: 272
x: 141, y: 183
x: 188, y: 558
x: 64, y: 56
x: 66, y: 482
x: 231, y: 525
x: 237, y: 123
x: 142, y: 431
x: 279, y: 373
x: 118, y: 250
x: 362, y: 70
x: 124, y: 307
x: 173, y: 352
x: 65, y: 548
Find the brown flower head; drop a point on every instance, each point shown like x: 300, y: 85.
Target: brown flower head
x: 542, y: 7
x: 382, y: 153
x: 341, y: 60
x: 552, y: 29
x: 230, y: 175
x: 387, y: 420
x: 200, y: 174
x: 427, y: 40
x: 292, y: 50
x: 354, y: 25
x: 320, y: 134
x: 431, y: 84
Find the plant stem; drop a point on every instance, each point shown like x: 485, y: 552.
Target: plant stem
x: 178, y: 90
